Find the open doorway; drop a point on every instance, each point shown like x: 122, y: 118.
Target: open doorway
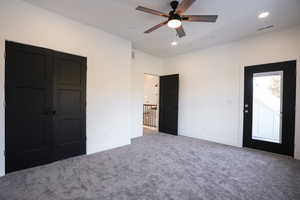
x: 160, y: 106
x: 151, y: 104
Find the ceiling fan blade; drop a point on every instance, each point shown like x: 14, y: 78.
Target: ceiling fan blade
x: 180, y: 32
x: 184, y: 5
x: 200, y: 18
x: 151, y: 11
x: 156, y: 27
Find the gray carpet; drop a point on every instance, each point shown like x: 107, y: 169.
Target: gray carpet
x: 161, y: 167
x: 149, y: 131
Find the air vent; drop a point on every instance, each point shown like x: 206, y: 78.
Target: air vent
x: 265, y: 28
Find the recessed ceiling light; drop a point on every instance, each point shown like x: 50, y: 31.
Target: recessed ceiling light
x: 263, y: 15
x: 174, y: 43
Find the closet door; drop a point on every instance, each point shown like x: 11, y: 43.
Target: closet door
x: 69, y: 105
x: 45, y: 94
x: 28, y: 123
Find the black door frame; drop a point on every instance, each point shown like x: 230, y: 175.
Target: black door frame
x: 11, y: 44
x: 288, y: 112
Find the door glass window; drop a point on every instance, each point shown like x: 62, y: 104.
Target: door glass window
x: 267, y: 106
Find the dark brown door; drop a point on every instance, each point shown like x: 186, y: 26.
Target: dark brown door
x: 168, y: 104
x: 28, y: 125
x: 69, y: 105
x: 269, y: 110
x: 45, y: 106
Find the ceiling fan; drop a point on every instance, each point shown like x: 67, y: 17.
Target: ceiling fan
x: 176, y: 16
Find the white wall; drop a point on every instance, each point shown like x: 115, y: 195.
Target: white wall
x: 151, y: 89
x: 108, y: 78
x: 211, y: 84
x: 141, y: 64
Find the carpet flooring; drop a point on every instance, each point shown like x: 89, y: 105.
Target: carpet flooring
x: 161, y: 167
x: 149, y: 131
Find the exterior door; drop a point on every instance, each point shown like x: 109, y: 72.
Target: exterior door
x: 269, y: 107
x: 45, y: 94
x: 28, y: 123
x: 168, y: 104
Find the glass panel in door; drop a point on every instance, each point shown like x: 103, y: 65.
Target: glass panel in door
x: 267, y: 106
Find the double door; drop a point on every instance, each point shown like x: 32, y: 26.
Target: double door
x: 45, y: 106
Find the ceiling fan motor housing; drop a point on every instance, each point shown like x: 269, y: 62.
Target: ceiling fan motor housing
x: 173, y: 15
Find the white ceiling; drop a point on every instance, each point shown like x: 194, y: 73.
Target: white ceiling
x: 237, y: 19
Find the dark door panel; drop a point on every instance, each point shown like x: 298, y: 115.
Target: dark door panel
x: 168, y: 104
x: 28, y: 129
x: 69, y: 104
x: 288, y: 95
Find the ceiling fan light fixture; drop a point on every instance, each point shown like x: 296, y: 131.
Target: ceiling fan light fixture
x: 174, y: 23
